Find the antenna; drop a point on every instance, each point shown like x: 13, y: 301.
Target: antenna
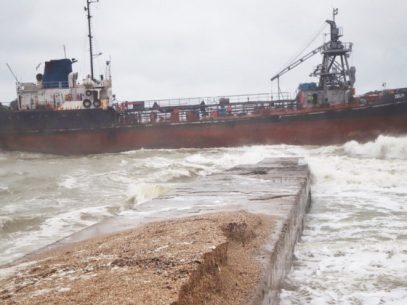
x: 334, y: 13
x: 64, y: 50
x: 11, y: 71
x: 108, y: 68
x: 87, y: 9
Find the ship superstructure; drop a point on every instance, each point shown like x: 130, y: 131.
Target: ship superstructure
x: 58, y: 87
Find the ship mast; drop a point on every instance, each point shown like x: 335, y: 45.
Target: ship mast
x: 87, y: 8
x: 335, y: 72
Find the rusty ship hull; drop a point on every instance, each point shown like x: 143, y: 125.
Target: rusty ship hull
x: 316, y: 126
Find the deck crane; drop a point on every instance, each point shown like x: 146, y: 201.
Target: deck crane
x: 334, y: 72
x: 294, y: 65
x: 297, y: 62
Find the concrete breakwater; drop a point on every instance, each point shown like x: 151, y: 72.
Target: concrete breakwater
x: 230, y: 251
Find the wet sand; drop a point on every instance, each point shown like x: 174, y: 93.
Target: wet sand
x: 209, y: 259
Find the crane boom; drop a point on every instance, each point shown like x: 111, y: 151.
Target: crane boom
x: 12, y: 72
x: 298, y: 62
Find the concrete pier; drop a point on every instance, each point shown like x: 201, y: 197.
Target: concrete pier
x: 233, y: 245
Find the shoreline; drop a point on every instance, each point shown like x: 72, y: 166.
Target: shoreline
x: 190, y: 259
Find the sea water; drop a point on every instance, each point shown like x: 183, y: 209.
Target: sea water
x: 354, y: 246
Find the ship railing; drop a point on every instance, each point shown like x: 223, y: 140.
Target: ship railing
x: 223, y: 109
x: 212, y: 100
x: 338, y: 46
x: 55, y: 84
x: 27, y: 87
x: 30, y: 87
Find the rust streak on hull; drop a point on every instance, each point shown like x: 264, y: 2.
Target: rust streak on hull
x: 324, y: 128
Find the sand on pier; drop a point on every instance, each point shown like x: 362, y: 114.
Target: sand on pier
x: 206, y: 259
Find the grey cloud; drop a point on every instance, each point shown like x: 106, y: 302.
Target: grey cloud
x: 196, y: 48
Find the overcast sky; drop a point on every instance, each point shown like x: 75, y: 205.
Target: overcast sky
x: 179, y: 48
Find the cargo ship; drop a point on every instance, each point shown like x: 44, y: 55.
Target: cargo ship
x: 60, y: 115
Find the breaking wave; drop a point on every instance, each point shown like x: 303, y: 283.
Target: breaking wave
x: 384, y: 147
x: 355, y: 236
x: 11, y: 224
x: 142, y: 192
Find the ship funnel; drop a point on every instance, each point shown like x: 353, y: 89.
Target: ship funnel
x: 56, y: 73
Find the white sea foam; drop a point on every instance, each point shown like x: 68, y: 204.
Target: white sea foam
x: 50, y: 230
x: 354, y: 247
x: 68, y: 182
x: 384, y: 147
x: 5, y: 272
x: 4, y: 220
